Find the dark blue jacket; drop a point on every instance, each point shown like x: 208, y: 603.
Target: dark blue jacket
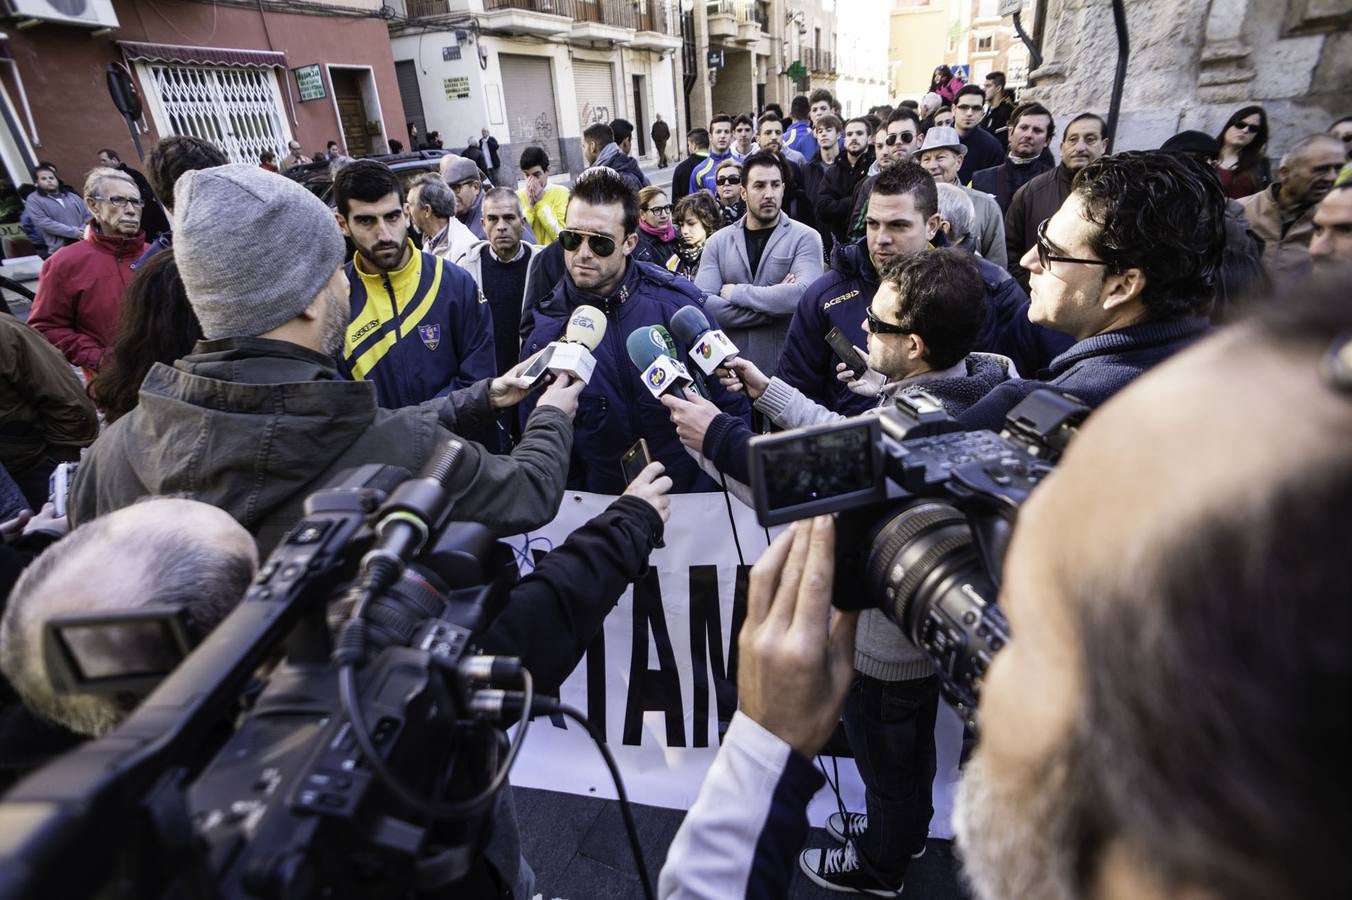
x: 418, y: 332
x: 164, y: 242
x: 1093, y: 369
x: 840, y: 297
x: 616, y: 409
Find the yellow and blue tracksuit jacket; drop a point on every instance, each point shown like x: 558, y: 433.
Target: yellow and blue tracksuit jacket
x: 417, y: 332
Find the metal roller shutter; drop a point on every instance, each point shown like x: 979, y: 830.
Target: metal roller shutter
x: 528, y: 90
x: 595, y: 92
x: 406, y: 71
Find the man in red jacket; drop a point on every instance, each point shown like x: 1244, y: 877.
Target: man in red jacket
x: 80, y: 288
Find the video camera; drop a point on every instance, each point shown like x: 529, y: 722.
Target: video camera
x: 364, y: 766
x: 927, y: 511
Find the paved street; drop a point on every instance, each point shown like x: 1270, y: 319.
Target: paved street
x: 578, y: 848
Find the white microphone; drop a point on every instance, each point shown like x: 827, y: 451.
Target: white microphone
x: 573, y: 355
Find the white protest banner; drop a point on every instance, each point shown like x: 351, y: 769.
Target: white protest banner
x: 663, y: 674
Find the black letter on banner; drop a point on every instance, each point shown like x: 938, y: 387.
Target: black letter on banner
x: 658, y: 688
x: 706, y: 631
x: 596, y: 683
x: 739, y: 592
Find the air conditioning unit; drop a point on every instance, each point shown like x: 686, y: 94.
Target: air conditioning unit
x: 89, y: 13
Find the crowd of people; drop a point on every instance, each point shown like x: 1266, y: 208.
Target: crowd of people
x: 241, y: 343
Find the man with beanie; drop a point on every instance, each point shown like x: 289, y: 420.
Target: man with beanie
x: 418, y: 325
x: 257, y: 418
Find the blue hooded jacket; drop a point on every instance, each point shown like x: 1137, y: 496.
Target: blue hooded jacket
x: 840, y: 298
x: 616, y: 409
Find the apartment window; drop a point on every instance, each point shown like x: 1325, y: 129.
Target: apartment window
x: 238, y: 109
x: 985, y: 43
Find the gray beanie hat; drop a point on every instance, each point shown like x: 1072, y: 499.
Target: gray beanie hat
x: 253, y: 248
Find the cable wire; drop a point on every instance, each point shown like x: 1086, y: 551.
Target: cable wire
x: 551, y: 706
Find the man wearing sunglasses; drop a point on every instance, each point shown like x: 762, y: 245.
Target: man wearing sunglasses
x: 1127, y: 267
x: 78, y: 307
x: 983, y: 148
x: 893, y: 149
x: 616, y: 408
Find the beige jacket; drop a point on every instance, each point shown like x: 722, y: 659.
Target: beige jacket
x: 1286, y: 255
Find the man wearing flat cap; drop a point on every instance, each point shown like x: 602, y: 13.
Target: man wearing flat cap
x: 467, y: 182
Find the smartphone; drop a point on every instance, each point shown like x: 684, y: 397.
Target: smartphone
x: 635, y: 460
x: 537, y: 372
x: 59, y: 485
x: 841, y: 346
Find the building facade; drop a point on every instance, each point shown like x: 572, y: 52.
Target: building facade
x: 1194, y: 62
x: 538, y: 72
x: 925, y: 34
x: 862, y: 33
x: 249, y: 76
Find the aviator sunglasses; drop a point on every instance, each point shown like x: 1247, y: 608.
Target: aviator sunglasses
x: 600, y: 244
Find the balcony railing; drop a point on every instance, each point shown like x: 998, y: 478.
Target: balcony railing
x: 420, y: 9
x: 822, y: 62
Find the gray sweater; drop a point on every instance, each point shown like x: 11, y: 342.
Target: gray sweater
x: 60, y: 217
x: 756, y: 317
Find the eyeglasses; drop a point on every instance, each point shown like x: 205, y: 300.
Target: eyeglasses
x: 658, y: 210
x: 121, y: 202
x: 728, y: 179
x: 1044, y: 251
x: 905, y: 137
x: 600, y: 244
x: 878, y: 326
x: 1246, y: 126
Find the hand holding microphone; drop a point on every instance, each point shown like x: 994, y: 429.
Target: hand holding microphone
x: 742, y: 375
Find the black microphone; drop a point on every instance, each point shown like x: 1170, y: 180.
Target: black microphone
x: 707, y: 347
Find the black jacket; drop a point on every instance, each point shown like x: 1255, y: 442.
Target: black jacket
x: 680, y: 176
x: 1039, y: 199
x: 1004, y: 180
x: 834, y: 198
x: 660, y: 132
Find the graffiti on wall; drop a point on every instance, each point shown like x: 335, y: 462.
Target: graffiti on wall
x: 591, y: 114
x: 525, y: 128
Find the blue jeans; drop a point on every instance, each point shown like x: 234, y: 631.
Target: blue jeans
x: 890, y: 726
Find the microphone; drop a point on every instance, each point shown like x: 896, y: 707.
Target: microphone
x: 709, y: 346
x: 572, y: 355
x: 671, y: 351
x: 648, y: 351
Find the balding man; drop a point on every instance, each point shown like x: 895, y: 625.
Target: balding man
x: 1332, y: 236
x: 161, y: 552
x: 1283, y: 213
x: 1167, y: 705
x: 80, y: 289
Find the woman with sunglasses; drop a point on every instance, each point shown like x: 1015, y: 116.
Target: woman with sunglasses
x: 1243, y: 167
x: 697, y: 217
x: 728, y: 191
x: 656, y: 233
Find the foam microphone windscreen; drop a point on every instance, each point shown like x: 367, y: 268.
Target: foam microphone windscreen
x: 687, y: 324
x: 586, y: 326
x: 644, y: 346
x: 667, y: 341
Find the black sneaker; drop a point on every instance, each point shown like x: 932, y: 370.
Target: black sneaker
x: 846, y: 826
x: 840, y: 870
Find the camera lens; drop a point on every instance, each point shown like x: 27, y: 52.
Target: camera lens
x: 394, y: 617
x: 928, y: 577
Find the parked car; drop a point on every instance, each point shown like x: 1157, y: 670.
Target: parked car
x: 317, y: 177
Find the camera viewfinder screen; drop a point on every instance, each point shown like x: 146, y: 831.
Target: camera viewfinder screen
x: 122, y: 651
x: 818, y: 467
